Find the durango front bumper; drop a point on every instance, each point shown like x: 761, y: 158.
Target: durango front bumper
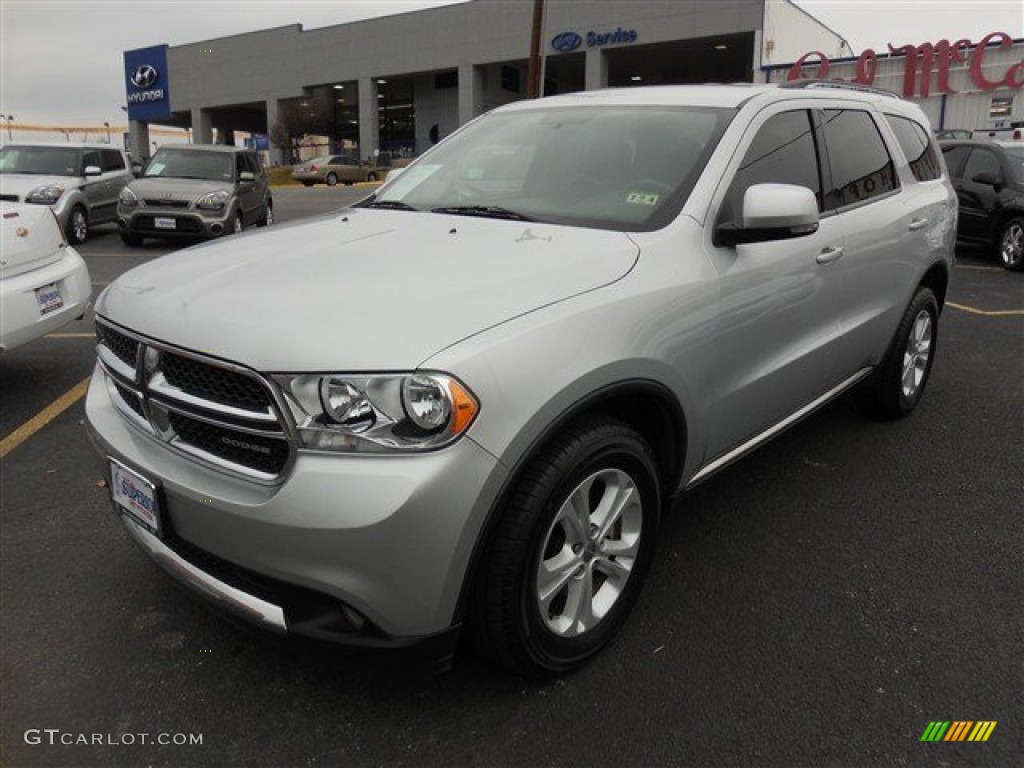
x: 359, y: 549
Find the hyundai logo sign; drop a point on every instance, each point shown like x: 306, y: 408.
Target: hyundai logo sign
x: 566, y: 41
x: 144, y: 76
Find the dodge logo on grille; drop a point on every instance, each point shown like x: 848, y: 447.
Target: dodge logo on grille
x: 242, y: 444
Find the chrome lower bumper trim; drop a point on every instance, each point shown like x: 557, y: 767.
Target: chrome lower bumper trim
x: 234, y: 600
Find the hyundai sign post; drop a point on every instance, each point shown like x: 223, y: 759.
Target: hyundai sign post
x: 147, y: 87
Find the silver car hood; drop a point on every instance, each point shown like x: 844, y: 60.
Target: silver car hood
x: 361, y: 290
x: 155, y: 187
x: 21, y: 184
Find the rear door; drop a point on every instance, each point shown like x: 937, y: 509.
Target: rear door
x: 893, y: 224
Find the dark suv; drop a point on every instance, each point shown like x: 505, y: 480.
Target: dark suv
x: 989, y: 180
x: 195, y: 191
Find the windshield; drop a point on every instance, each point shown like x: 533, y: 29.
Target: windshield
x: 192, y: 164
x: 43, y: 161
x: 622, y: 168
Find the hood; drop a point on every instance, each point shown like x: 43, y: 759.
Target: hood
x: 21, y: 184
x: 156, y: 188
x: 362, y: 290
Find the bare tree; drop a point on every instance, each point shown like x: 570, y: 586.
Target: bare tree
x: 294, y: 123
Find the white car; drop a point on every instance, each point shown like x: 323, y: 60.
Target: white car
x: 44, y: 283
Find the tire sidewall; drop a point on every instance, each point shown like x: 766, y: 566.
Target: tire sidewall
x: 331, y: 180
x: 72, y: 235
x: 622, y: 452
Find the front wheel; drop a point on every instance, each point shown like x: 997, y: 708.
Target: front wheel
x: 899, y: 383
x: 238, y: 226
x: 573, y: 544
x: 1011, y: 244
x: 130, y: 240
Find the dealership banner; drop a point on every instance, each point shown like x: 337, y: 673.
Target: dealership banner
x: 147, y: 87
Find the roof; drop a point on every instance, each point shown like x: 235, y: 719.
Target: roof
x: 70, y: 144
x: 727, y: 96
x: 222, y: 148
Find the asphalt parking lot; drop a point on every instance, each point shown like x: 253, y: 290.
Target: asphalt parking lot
x: 817, y: 604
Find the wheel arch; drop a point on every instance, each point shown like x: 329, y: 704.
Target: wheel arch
x: 937, y: 279
x: 646, y: 405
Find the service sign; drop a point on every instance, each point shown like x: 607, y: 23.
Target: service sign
x: 147, y: 90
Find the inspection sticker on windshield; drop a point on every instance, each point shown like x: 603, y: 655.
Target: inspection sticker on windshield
x: 643, y: 198
x: 135, y: 496
x: 49, y: 298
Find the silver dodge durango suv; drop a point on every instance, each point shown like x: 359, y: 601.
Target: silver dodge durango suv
x: 467, y: 401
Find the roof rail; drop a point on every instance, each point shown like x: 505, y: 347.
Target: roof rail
x: 839, y: 85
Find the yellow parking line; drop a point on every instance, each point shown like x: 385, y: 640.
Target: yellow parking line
x: 987, y: 313
x: 44, y: 417
x: 70, y: 336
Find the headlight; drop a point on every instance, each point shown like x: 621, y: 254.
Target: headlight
x: 127, y: 198
x: 214, y: 201
x: 378, y: 413
x: 48, y: 194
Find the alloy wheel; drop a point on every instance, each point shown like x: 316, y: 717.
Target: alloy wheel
x: 917, y: 354
x: 588, y: 553
x: 1012, y: 247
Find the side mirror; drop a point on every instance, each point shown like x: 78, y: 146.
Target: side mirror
x: 772, y: 212
x: 136, y: 170
x: 989, y: 178
x: 92, y: 170
x: 247, y: 176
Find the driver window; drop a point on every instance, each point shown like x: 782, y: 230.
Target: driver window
x: 782, y: 152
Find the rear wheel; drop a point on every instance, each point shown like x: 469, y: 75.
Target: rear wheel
x: 78, y: 225
x: 571, y: 550
x: 899, y: 383
x: 1011, y: 244
x: 332, y: 179
x: 371, y: 176
x: 268, y: 216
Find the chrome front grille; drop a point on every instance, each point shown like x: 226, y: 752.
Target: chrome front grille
x: 218, y: 413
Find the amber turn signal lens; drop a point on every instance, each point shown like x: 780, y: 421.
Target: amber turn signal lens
x: 464, y: 406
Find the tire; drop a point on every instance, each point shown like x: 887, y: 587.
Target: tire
x: 371, y: 176
x: 332, y: 180
x: 307, y: 183
x: 1011, y: 244
x: 132, y: 241
x: 899, y: 383
x: 268, y: 216
x: 590, y: 592
x: 78, y: 225
x: 238, y: 226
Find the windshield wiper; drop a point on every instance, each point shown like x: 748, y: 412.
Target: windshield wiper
x: 489, y: 211
x: 394, y: 205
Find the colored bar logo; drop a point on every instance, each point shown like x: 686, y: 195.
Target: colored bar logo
x: 958, y: 730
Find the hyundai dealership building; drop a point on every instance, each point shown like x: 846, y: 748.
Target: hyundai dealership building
x: 398, y: 84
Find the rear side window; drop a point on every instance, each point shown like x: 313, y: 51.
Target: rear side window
x: 783, y: 152
x: 861, y: 167
x: 112, y: 160
x: 920, y: 152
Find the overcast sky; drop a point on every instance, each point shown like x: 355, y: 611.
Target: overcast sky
x: 60, y: 62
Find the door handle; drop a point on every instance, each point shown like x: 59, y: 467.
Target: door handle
x: 916, y: 224
x: 828, y: 255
